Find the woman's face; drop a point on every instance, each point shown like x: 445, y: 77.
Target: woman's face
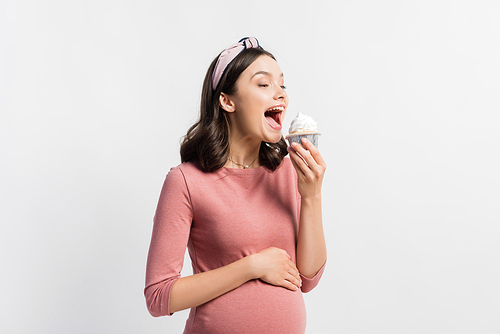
x: 260, y: 101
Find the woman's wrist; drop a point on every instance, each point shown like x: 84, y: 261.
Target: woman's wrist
x: 250, y: 267
x: 311, y: 199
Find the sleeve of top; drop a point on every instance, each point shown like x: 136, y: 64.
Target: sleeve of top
x: 310, y: 283
x: 171, y: 227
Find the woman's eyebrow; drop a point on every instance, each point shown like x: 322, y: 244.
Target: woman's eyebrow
x: 265, y: 73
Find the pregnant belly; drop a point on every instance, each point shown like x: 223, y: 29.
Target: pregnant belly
x: 254, y: 307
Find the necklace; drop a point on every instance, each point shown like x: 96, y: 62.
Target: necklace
x: 244, y: 166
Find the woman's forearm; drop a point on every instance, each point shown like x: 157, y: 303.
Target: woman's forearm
x: 311, y: 247
x: 310, y: 168
x: 271, y: 265
x: 191, y: 291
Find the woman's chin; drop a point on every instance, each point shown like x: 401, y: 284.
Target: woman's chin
x: 273, y: 139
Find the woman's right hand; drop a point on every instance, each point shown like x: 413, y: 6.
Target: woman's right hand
x: 273, y: 265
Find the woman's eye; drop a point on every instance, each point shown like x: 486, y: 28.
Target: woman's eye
x: 263, y: 85
x: 283, y: 87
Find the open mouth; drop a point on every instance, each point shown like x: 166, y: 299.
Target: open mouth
x: 273, y: 117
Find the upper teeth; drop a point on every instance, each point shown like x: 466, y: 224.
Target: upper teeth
x: 276, y: 109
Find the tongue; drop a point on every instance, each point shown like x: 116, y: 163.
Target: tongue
x: 272, y: 122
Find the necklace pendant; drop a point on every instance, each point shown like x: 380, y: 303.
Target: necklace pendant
x: 246, y: 166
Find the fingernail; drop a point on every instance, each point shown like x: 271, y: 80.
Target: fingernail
x: 304, y: 140
x: 294, y: 144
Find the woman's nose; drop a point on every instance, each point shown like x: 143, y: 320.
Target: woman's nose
x: 280, y: 93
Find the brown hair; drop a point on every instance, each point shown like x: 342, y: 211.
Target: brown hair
x: 208, y: 139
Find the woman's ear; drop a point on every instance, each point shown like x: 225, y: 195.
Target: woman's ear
x: 226, y: 103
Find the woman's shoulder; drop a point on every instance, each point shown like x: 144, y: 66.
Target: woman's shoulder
x: 190, y: 168
x: 287, y: 162
x: 286, y: 166
x: 285, y: 170
x: 182, y: 175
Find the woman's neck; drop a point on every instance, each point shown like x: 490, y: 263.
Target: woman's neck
x: 243, y: 154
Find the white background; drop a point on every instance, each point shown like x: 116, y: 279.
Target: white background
x: 95, y: 96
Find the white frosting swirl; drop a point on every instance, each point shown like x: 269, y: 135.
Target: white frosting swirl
x: 303, y: 123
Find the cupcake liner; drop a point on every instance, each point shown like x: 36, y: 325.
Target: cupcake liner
x: 297, y: 138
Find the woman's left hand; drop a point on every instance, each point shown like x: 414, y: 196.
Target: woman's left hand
x: 310, y: 168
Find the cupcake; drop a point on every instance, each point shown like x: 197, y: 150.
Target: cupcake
x: 303, y: 126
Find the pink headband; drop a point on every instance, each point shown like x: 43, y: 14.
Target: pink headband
x: 227, y: 56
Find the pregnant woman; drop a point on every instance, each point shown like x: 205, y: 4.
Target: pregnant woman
x: 249, y: 216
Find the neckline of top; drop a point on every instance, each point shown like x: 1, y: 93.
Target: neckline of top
x: 230, y: 170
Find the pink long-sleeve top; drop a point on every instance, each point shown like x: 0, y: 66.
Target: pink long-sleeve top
x: 222, y: 217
